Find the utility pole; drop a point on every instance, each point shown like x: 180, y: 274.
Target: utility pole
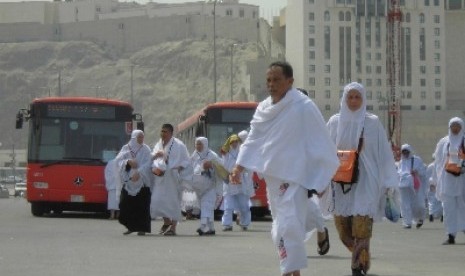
x: 132, y: 85
x: 214, y: 51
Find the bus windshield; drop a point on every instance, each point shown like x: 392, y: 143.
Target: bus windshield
x: 57, y: 139
x: 218, y: 132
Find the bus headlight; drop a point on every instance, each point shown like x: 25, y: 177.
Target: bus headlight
x: 40, y: 185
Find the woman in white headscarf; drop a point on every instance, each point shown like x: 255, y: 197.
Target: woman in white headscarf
x: 412, y: 198
x: 204, y: 184
x: 450, y: 187
x: 134, y: 162
x: 356, y: 206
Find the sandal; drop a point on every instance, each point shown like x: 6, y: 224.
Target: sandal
x: 164, y: 228
x: 169, y: 232
x: 323, y: 246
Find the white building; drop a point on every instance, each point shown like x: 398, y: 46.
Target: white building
x: 333, y: 42
x: 57, y: 12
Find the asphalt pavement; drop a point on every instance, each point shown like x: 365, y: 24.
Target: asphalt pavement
x: 88, y: 244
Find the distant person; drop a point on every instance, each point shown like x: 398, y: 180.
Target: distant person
x: 289, y: 146
x: 450, y: 187
x: 236, y: 196
x: 112, y: 183
x: 204, y: 184
x: 133, y: 162
x: 412, y: 199
x: 434, y: 204
x: 357, y: 205
x: 170, y: 159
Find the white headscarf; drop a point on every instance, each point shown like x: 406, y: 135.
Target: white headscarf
x: 202, y: 154
x: 243, y: 135
x: 350, y: 122
x: 133, y: 144
x: 409, y: 149
x: 455, y: 140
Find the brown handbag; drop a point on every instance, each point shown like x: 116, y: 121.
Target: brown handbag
x: 347, y: 172
x: 453, y: 168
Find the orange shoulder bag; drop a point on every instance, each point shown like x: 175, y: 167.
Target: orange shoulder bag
x: 347, y: 173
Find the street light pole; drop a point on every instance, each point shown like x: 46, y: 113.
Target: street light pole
x: 214, y: 51
x: 232, y: 70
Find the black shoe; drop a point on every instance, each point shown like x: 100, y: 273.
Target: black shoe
x: 431, y: 218
x: 210, y: 233
x: 442, y: 218
x: 450, y: 240
x: 419, y: 224
x: 357, y: 272
x: 127, y: 232
x: 200, y: 232
x: 140, y: 233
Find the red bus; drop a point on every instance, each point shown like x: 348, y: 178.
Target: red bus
x: 217, y: 122
x: 70, y: 140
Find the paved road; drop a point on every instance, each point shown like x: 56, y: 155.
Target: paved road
x: 77, y: 244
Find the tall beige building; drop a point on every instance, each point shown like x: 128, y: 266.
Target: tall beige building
x: 333, y: 42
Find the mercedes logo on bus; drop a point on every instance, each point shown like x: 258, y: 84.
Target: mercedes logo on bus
x: 78, y: 181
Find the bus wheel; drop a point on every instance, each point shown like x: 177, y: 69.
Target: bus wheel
x: 37, y: 209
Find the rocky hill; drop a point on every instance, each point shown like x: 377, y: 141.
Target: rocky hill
x: 170, y: 80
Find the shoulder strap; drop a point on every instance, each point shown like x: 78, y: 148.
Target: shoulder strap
x: 411, y: 165
x: 360, y: 141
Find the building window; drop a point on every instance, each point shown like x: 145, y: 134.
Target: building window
x: 423, y: 69
x: 436, y: 3
x: 368, y: 69
x: 437, y: 82
x: 407, y: 17
x: 378, y: 69
x: 423, y: 82
x: 369, y: 82
x: 436, y: 19
x: 437, y: 107
x: 423, y: 95
x: 311, y: 16
x: 327, y: 94
x: 368, y: 56
x: 437, y: 44
x: 369, y: 107
x: 423, y: 107
x: 379, y: 82
x: 437, y: 69
x: 311, y: 29
x: 369, y: 95
x: 327, y: 68
x: 437, y: 95
x: 311, y: 68
x: 311, y: 42
x: 311, y: 1
x: 437, y: 57
x: 409, y: 94
x: 327, y: 107
x: 326, y: 15
x: 121, y: 26
x: 437, y: 31
x: 378, y: 56
x: 229, y: 12
x: 311, y: 54
x: 241, y: 13
x: 254, y: 14
x: 311, y: 94
x: 348, y: 16
x: 327, y: 81
x: 426, y: 2
x: 422, y: 18
x: 311, y: 81
x: 98, y: 9
x: 341, y: 16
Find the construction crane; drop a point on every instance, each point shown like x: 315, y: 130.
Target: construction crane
x: 394, y: 21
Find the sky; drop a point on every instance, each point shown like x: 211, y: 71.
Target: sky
x: 268, y: 8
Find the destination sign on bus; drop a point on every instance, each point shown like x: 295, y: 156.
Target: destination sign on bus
x: 86, y: 111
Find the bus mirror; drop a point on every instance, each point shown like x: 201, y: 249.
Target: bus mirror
x: 140, y: 125
x: 19, y: 120
x: 137, y: 117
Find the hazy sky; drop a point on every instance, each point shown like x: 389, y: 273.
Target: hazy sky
x: 268, y: 8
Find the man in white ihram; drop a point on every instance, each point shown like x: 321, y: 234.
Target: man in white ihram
x: 290, y: 147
